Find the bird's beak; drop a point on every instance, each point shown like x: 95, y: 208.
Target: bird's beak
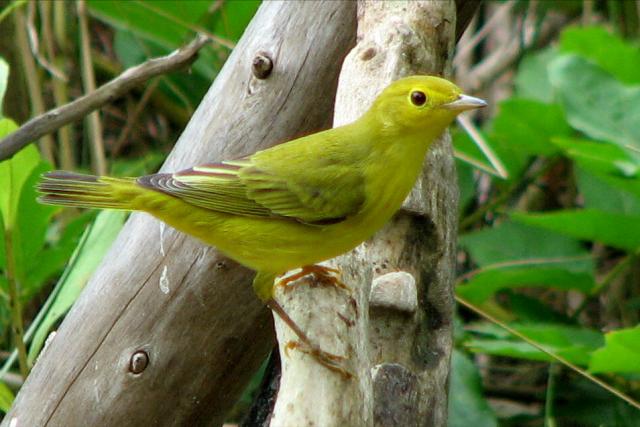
x: 465, y: 102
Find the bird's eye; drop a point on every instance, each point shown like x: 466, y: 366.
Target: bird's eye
x: 418, y: 98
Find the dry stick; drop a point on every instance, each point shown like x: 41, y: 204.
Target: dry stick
x: 497, y: 19
x: 554, y: 356
x: 618, y: 269
x: 34, y: 44
x: 495, y: 64
x: 33, y: 85
x: 482, y: 144
x: 132, y: 118
x: 96, y: 142
x: 60, y: 94
x: 54, y: 119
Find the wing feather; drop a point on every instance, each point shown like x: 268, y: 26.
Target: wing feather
x: 279, y: 182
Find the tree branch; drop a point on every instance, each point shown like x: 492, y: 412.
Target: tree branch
x: 395, y: 326
x: 203, y: 332
x: 54, y: 119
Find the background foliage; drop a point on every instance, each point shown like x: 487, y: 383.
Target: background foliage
x: 550, y: 251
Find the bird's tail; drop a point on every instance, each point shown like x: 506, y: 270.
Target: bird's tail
x: 86, y: 191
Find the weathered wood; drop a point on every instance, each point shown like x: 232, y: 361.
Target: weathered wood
x: 185, y: 314
x: 405, y: 345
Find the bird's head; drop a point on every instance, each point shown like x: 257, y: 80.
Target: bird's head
x: 422, y: 103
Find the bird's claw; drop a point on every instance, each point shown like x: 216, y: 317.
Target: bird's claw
x: 325, y: 276
x: 328, y: 360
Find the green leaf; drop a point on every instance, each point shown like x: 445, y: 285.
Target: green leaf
x: 608, y: 193
x: 600, y: 156
x: 510, y: 241
x: 621, y: 353
x: 513, y: 255
x: 13, y: 174
x: 6, y: 397
x: 30, y: 230
x: 529, y: 125
x: 165, y: 22
x: 4, y: 78
x: 617, y: 230
x: 618, y: 57
x: 530, y: 309
x: 232, y: 18
x: 487, y: 282
x: 54, y: 256
x: 591, y: 406
x: 595, y: 102
x: 467, y: 405
x: 573, y: 343
x: 532, y: 80
x: 94, y: 244
x: 3, y: 257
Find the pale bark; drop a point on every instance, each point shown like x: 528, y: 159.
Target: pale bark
x: 398, y: 343
x: 164, y: 305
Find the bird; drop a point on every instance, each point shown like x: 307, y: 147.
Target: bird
x: 295, y: 204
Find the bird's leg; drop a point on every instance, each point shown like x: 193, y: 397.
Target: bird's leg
x: 325, y: 276
x: 328, y: 360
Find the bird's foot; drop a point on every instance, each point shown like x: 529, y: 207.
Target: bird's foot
x: 325, y: 276
x: 330, y: 361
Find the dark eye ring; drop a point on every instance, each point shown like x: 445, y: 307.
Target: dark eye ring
x: 418, y: 98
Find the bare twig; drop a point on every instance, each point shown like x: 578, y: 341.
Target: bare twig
x: 34, y: 44
x: 94, y: 125
x: 498, y: 18
x: 33, y: 84
x: 501, y: 59
x: 482, y: 144
x: 54, y: 119
x: 60, y: 89
x: 132, y: 118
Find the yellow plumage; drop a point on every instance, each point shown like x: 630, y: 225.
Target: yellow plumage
x: 297, y: 203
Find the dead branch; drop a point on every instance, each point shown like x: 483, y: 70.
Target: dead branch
x: 54, y: 119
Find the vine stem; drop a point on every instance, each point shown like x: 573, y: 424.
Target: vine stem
x: 14, y: 294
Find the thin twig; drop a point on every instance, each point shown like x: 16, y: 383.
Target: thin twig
x: 33, y: 85
x: 618, y: 269
x: 496, y: 19
x: 549, y: 417
x: 34, y: 44
x: 479, y: 140
x: 60, y: 89
x: 13, y: 285
x: 491, y: 67
x: 75, y: 110
x: 96, y: 142
x: 132, y: 118
x: 537, y: 169
x: 554, y: 356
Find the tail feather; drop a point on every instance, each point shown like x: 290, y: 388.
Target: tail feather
x: 73, y: 189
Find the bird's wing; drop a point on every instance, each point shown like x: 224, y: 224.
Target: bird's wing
x: 308, y: 189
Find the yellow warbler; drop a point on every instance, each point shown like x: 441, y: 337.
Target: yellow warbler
x: 297, y: 203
